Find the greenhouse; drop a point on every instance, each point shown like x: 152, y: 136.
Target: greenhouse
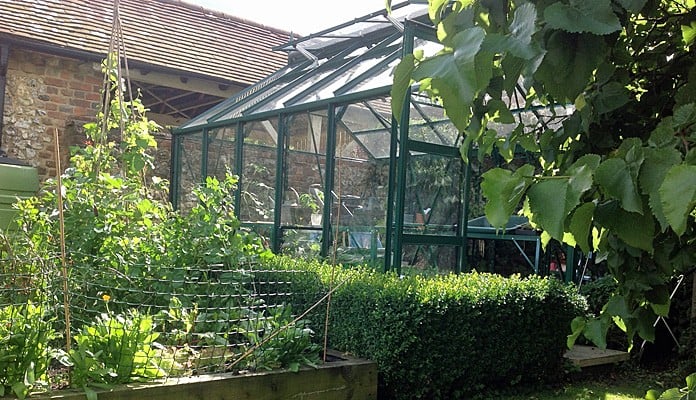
x: 325, y: 169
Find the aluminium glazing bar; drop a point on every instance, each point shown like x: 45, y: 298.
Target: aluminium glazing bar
x: 370, y: 53
x: 347, y: 98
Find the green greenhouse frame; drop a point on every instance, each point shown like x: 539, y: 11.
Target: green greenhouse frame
x: 319, y: 135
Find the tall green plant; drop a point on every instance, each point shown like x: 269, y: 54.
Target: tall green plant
x: 618, y: 176
x: 25, y: 333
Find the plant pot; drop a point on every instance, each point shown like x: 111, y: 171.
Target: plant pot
x: 342, y: 378
x: 315, y: 219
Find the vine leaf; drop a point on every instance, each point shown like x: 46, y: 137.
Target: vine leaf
x: 614, y: 177
x: 689, y: 33
x: 577, y: 326
x: 593, y: 16
x: 652, y: 175
x: 504, y: 190
x: 521, y: 30
x: 580, y: 225
x: 633, y: 6
x: 569, y: 63
x: 678, y: 196
x: 596, y: 331
x: 402, y: 82
x: 623, y: 223
x: 611, y: 96
x: 547, y: 201
x: 453, y: 75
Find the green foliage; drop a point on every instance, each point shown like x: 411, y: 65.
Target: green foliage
x: 278, y: 342
x: 685, y: 393
x: 25, y: 333
x: 125, y: 245
x: 448, y: 336
x: 616, y: 176
x: 115, y: 348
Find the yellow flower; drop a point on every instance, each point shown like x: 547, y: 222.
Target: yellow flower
x: 106, y: 297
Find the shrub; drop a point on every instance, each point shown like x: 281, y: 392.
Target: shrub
x: 448, y: 336
x: 25, y: 331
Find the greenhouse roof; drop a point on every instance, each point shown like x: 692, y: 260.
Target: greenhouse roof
x: 350, y: 60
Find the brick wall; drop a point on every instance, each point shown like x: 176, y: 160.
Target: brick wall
x: 45, y: 93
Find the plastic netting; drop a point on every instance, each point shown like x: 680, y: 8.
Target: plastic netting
x: 145, y: 322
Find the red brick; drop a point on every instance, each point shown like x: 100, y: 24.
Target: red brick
x: 79, y: 85
x: 56, y: 82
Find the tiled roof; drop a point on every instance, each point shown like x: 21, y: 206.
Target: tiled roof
x: 167, y: 34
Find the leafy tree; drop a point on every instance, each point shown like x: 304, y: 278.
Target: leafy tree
x: 618, y: 175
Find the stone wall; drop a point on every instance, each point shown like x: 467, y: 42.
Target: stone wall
x: 45, y: 93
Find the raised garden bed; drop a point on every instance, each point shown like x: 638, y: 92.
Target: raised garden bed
x: 341, y: 377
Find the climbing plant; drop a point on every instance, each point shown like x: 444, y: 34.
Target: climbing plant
x: 618, y: 175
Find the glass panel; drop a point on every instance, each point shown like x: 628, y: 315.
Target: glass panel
x: 428, y: 259
x: 259, y: 171
x: 221, y: 151
x: 304, y: 175
x: 257, y: 93
x: 505, y: 257
x: 376, y: 142
x: 188, y: 171
x: 301, y: 242
x: 368, y: 116
x: 432, y: 195
x: 296, y: 87
x: 430, y: 124
x: 361, y: 183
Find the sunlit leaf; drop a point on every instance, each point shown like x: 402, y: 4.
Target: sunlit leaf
x: 401, y: 85
x: 691, y: 382
x: 577, y: 326
x: 547, y: 200
x: 521, y: 30
x: 652, y: 174
x: 580, y: 225
x: 454, y: 77
x: 504, y: 190
x: 689, y: 33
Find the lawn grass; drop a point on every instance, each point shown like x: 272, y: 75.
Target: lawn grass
x: 627, y: 381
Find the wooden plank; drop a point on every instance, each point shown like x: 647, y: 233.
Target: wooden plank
x: 587, y: 356
x: 336, y: 380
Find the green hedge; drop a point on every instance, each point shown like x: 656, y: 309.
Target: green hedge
x: 447, y: 337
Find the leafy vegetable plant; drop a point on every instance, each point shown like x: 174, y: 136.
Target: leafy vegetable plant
x: 25, y: 336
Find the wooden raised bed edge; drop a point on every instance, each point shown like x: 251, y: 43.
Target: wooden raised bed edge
x: 343, y: 379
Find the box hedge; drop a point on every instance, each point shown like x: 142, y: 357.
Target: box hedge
x: 442, y: 337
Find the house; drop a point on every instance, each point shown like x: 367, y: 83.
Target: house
x: 183, y: 58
